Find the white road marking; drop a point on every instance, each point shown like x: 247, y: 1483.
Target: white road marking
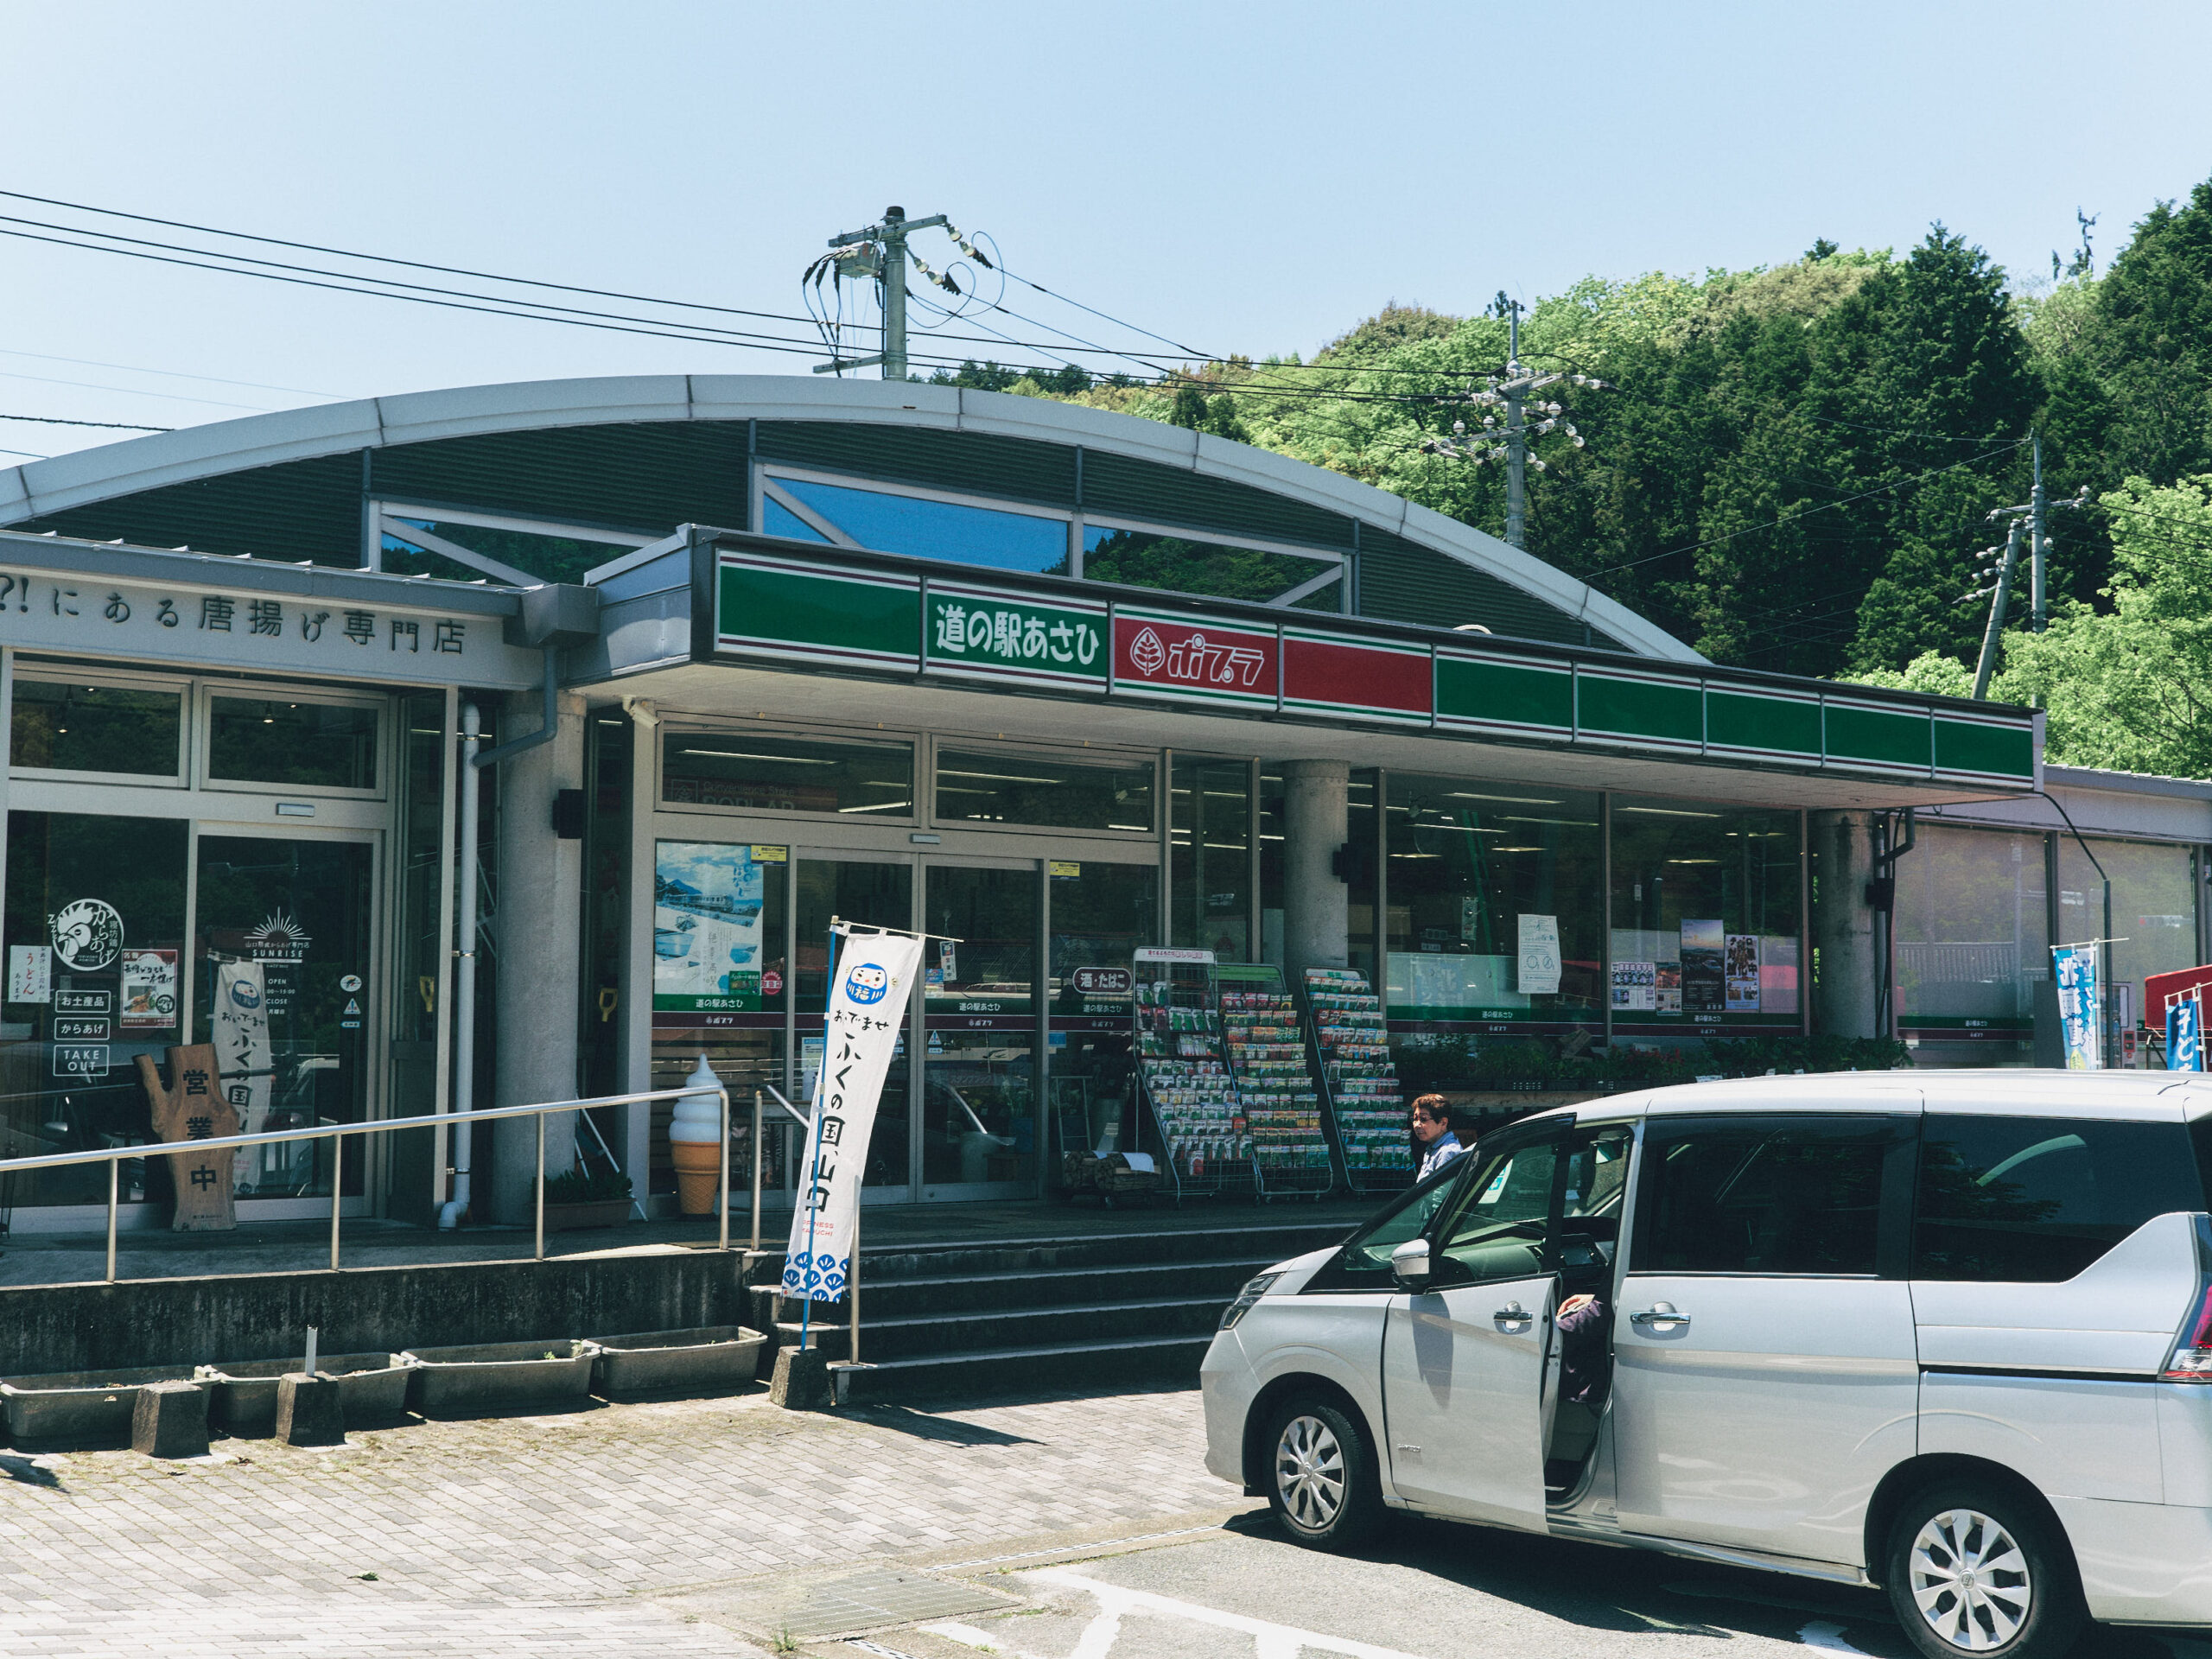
x: 967, y: 1634
x: 1272, y: 1641
x: 1821, y: 1634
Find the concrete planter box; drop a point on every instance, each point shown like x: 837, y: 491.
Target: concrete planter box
x: 493, y: 1377
x: 79, y: 1405
x: 601, y: 1212
x: 705, y: 1359
x: 371, y: 1387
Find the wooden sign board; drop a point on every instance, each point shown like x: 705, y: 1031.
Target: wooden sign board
x: 191, y: 1108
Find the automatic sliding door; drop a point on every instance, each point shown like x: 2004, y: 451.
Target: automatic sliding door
x: 979, y: 1107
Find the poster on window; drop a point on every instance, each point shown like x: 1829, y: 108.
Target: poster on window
x: 242, y: 1056
x: 707, y: 898
x: 30, y: 973
x: 1705, y: 987
x: 1667, y: 987
x: 1635, y: 987
x: 150, y: 982
x: 1539, y: 955
x: 1740, y: 958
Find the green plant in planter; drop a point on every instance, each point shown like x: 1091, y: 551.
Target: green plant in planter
x: 587, y: 1186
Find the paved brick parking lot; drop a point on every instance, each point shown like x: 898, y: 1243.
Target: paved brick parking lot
x: 561, y: 1534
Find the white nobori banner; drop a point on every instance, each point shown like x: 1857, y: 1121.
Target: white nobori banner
x: 868, y: 1008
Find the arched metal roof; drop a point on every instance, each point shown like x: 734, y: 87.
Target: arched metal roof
x: 95, y: 492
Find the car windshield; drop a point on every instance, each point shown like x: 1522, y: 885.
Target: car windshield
x: 1369, y: 1250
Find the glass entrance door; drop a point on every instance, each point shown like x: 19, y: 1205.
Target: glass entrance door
x: 282, y: 969
x: 979, y: 1119
x: 879, y: 892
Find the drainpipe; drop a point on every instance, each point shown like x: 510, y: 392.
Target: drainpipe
x: 465, y: 928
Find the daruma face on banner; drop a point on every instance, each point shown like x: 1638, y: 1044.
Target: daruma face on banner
x: 868, y: 1009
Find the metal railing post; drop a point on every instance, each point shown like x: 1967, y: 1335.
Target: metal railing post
x: 722, y: 1200
x: 853, y: 1289
x: 114, y: 1183
x: 337, y: 1189
x: 756, y: 1172
x: 541, y: 1186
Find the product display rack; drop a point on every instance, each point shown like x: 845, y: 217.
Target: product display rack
x: 1184, y: 1074
x: 1359, y: 1080
x: 1269, y: 1057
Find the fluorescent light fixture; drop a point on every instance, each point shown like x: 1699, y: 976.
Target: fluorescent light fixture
x: 1000, y: 777
x: 785, y: 760
x: 1666, y: 811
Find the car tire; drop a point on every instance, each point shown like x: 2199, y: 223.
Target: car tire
x: 1320, y: 1475
x: 1976, y: 1572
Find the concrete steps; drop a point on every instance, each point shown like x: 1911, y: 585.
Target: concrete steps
x: 983, y: 1317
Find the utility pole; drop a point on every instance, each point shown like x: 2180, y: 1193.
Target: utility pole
x: 1517, y: 442
x: 1513, y: 393
x: 2039, y: 548
x: 1997, y: 609
x: 879, y: 252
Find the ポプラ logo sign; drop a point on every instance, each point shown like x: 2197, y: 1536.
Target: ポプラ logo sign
x: 1196, y: 659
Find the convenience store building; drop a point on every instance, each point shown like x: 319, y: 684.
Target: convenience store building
x: 1054, y: 683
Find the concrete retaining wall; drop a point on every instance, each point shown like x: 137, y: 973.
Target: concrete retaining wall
x: 265, y: 1316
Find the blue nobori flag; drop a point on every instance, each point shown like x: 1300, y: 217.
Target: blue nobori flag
x: 873, y: 976
x: 2080, y: 1005
x: 2185, y: 1034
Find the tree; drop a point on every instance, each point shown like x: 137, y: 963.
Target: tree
x: 2132, y: 687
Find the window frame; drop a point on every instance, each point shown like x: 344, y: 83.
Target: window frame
x: 185, y: 688
x: 1075, y: 522
x: 676, y: 725
x: 1051, y: 754
x: 1893, y: 1219
x: 203, y: 737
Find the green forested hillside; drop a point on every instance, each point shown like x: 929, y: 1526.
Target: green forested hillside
x: 1792, y: 468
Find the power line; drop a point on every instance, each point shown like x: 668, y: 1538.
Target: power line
x: 166, y: 374
x: 56, y: 420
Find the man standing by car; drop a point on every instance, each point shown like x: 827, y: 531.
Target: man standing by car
x: 1434, y: 1145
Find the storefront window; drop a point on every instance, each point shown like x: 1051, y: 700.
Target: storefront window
x: 107, y: 728
x: 1497, y: 917
x: 1359, y: 874
x: 1706, y: 916
x: 280, y: 965
x: 981, y: 787
x: 787, y: 774
x: 1209, y: 890
x: 1270, y: 825
x: 1972, y: 929
x: 95, y: 933
x: 1101, y: 915
x: 924, y: 529
x: 721, y: 983
x: 1145, y: 558
x: 308, y: 745
x: 2153, y: 910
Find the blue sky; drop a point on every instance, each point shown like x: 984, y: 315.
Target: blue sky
x: 1237, y: 177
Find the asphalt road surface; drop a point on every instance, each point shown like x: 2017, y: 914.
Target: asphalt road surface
x: 1425, y: 1590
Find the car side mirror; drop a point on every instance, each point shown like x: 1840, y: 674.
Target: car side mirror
x: 1410, y: 1262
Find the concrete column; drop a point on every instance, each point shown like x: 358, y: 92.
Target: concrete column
x: 1843, y: 928
x: 539, y: 930
x: 1316, y: 905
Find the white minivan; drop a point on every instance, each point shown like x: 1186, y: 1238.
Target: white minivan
x: 1944, y: 1332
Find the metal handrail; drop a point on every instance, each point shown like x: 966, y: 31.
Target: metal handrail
x: 115, y: 1156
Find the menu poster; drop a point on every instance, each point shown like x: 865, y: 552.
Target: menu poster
x: 1742, y: 962
x: 30, y: 973
x: 1704, y: 977
x: 1635, y: 987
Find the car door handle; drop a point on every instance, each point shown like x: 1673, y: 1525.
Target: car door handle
x: 1511, y: 1314
x: 1663, y: 1313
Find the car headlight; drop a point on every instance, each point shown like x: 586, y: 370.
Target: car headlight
x: 1254, y: 1289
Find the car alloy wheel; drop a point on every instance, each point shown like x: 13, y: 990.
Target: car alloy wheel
x: 1310, y: 1472
x: 1971, y: 1580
